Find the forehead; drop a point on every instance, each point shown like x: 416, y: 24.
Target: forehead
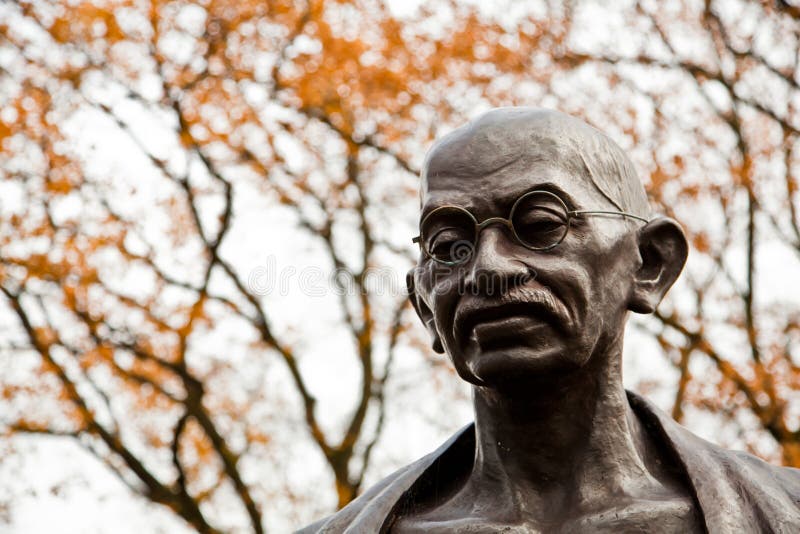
x: 487, y: 174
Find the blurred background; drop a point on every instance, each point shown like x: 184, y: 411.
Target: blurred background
x: 206, y: 212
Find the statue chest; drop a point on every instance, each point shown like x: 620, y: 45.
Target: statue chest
x: 678, y: 514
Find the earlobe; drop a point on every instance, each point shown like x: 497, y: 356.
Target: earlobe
x: 424, y: 313
x: 663, y: 249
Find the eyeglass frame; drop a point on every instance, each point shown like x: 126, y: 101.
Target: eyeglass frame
x: 507, y: 222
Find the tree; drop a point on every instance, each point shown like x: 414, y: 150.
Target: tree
x: 152, y: 336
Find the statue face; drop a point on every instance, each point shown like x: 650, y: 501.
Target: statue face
x: 509, y: 313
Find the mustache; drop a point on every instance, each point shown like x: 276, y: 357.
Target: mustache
x: 527, y: 299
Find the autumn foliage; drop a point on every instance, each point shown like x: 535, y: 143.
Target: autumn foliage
x: 129, y: 307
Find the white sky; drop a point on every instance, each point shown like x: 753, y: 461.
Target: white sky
x: 58, y: 487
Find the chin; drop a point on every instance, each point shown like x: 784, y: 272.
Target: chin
x: 516, y: 365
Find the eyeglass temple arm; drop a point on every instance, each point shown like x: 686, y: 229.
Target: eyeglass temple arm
x: 596, y: 212
x: 415, y: 239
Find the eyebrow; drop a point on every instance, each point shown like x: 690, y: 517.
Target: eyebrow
x: 556, y: 190
x: 545, y: 186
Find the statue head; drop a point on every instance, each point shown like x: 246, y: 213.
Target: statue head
x: 536, y: 241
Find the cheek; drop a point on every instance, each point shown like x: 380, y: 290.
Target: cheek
x: 610, y: 273
x: 441, y: 287
x: 595, y: 277
x: 445, y: 297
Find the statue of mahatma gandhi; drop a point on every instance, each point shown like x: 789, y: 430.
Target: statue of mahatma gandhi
x: 536, y: 241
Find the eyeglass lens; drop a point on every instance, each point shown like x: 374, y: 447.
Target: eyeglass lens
x: 448, y: 234
x: 540, y: 220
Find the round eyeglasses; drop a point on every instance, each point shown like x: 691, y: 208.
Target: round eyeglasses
x: 539, y: 220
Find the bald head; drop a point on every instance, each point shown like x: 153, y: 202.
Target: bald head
x: 521, y: 136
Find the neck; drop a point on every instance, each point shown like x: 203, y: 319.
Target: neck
x: 573, y: 436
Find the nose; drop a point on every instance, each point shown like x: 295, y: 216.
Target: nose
x: 494, y: 268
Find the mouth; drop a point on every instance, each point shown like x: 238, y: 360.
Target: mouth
x: 508, y: 332
x: 501, y: 323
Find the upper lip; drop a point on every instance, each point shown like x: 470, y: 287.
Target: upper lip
x: 472, y: 313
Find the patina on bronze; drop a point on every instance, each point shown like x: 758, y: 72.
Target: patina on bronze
x: 557, y: 445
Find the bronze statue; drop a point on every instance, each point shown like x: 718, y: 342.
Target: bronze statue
x: 536, y: 241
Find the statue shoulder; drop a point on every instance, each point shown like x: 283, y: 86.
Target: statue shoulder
x: 368, y: 512
x: 787, y: 478
x: 340, y: 520
x: 737, y: 491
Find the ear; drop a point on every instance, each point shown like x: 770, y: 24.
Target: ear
x: 663, y: 249
x: 423, y: 312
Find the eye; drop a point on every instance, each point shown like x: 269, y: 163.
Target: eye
x: 443, y: 243
x: 540, y: 220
